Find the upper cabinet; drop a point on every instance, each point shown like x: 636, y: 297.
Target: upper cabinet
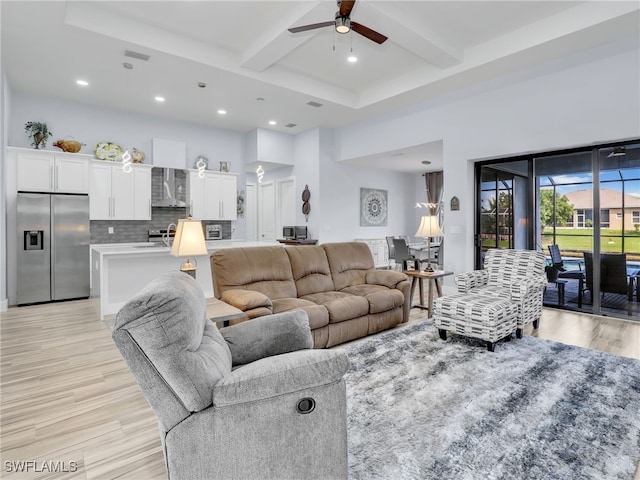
x: 214, y: 196
x: 48, y: 171
x: 119, y: 195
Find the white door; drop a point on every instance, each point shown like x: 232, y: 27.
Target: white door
x: 251, y: 212
x: 266, y: 212
x: 285, y: 204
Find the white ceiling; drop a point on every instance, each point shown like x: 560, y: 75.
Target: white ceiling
x: 243, y: 51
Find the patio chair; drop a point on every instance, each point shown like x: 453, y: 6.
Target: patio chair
x: 613, y: 274
x: 558, y: 265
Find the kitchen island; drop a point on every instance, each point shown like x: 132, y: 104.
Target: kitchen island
x: 119, y: 271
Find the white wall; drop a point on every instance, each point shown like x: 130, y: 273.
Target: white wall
x: 585, y: 99
x: 340, y: 192
x: 5, y: 107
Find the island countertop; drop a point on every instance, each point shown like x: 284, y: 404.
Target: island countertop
x: 119, y: 271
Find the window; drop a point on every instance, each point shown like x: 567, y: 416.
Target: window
x: 619, y: 216
x: 636, y: 216
x: 604, y: 218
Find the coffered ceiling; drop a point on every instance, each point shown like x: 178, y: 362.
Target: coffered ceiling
x: 243, y: 51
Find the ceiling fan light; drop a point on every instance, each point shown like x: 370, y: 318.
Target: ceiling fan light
x: 343, y: 24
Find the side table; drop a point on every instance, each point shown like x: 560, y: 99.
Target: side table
x: 223, y: 314
x: 418, y: 276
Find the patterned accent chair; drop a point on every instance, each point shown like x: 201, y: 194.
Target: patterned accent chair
x: 517, y: 275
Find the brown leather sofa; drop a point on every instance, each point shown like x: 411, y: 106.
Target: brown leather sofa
x: 344, y: 296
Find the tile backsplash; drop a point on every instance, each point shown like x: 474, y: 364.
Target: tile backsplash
x: 136, y: 231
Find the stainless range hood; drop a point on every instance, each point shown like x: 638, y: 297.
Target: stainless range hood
x: 172, y: 194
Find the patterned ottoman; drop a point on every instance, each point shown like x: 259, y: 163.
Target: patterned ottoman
x: 479, y: 316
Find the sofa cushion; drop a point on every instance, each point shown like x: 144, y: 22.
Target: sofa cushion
x: 264, y: 269
x: 318, y: 314
x: 167, y: 319
x: 310, y: 269
x: 349, y: 263
x: 341, y: 306
x: 380, y: 298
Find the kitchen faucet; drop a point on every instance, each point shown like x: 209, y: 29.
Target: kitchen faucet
x: 166, y: 237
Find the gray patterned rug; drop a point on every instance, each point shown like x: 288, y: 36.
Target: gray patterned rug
x: 423, y: 408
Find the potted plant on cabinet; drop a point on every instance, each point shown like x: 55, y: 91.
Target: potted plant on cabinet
x: 39, y: 133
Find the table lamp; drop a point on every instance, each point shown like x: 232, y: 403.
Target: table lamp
x: 188, y: 242
x: 429, y: 227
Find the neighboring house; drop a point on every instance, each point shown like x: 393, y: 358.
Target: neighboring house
x: 616, y: 209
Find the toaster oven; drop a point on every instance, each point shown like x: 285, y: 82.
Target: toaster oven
x: 214, y: 232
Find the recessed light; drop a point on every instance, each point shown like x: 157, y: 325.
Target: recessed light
x: 82, y: 83
x: 352, y: 59
x: 222, y: 111
x: 160, y: 99
x: 272, y: 122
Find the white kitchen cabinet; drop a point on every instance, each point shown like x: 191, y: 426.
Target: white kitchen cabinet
x: 142, y: 192
x: 213, y: 197
x: 119, y: 195
x: 47, y: 171
x: 379, y: 251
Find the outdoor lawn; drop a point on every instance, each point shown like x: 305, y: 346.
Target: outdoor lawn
x: 574, y: 241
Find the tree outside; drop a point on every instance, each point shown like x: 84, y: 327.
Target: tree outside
x: 564, y: 210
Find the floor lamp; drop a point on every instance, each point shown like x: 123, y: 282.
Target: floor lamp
x: 189, y: 242
x: 429, y: 227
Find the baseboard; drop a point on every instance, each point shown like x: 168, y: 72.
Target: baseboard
x: 4, y: 305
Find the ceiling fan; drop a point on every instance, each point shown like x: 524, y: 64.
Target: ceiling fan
x: 343, y: 23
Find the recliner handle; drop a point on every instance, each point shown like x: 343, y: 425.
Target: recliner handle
x: 305, y: 405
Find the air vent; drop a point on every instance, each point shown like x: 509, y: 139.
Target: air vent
x: 291, y: 125
x: 137, y: 55
x: 314, y: 104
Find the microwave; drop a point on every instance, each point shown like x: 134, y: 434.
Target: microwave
x: 214, y: 232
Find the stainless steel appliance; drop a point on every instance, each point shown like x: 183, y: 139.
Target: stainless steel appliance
x: 214, y: 232
x: 163, y: 236
x: 53, y: 247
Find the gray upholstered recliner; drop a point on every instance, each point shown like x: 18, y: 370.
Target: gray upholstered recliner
x: 248, y: 401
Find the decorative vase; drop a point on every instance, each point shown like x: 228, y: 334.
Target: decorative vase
x: 37, y: 139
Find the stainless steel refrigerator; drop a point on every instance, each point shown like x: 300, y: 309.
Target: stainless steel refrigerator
x: 53, y: 247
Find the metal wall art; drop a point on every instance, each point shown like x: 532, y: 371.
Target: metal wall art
x: 306, y: 206
x: 373, y: 207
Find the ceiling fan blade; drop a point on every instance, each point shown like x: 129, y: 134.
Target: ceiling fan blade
x: 313, y: 26
x: 346, y: 6
x: 367, y: 32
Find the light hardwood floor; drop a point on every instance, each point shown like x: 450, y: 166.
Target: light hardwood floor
x: 68, y: 396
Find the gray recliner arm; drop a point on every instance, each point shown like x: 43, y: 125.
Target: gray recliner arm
x: 268, y: 336
x: 276, y: 376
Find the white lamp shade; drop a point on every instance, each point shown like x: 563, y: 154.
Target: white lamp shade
x: 429, y: 227
x: 189, y: 239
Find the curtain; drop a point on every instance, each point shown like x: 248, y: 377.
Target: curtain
x: 434, y: 184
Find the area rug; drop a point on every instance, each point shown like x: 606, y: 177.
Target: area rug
x: 423, y: 408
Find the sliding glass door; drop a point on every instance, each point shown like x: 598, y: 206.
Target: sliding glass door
x: 584, y: 204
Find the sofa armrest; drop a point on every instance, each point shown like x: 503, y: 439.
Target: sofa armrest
x: 385, y: 278
x: 246, y: 299
x: 527, y: 286
x: 274, y: 376
x: 268, y: 336
x: 468, y: 280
